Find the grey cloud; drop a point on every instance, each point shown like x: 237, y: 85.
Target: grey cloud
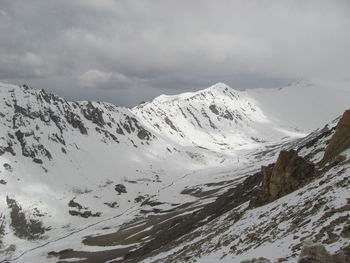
x: 148, y: 47
x: 108, y: 80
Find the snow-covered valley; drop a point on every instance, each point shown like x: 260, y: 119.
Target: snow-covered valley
x: 166, y: 180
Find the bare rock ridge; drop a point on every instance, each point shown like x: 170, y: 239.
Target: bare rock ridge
x: 288, y: 174
x: 340, y: 140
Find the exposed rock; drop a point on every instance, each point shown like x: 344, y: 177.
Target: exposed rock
x: 111, y: 204
x: 346, y: 231
x: 340, y: 141
x: 2, y: 181
x: 139, y: 199
x: 120, y: 188
x: 318, y: 254
x: 31, y: 149
x: 143, y: 134
x: 74, y: 120
x: 346, y: 251
x: 214, y: 109
x: 107, y: 134
x: 288, y: 174
x: 228, y: 115
x: 23, y: 227
x: 72, y: 203
x: 8, y: 167
x: 257, y: 260
x: 93, y: 114
x: 85, y: 214
x: 8, y: 148
x: 38, y: 161
x: 2, y: 225
x: 170, y: 123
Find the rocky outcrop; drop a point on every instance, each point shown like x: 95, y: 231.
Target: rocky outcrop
x: 288, y: 174
x: 340, y: 140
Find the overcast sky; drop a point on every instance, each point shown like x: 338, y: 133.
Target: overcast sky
x: 125, y: 52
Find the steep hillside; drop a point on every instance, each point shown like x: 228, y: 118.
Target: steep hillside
x: 241, y: 224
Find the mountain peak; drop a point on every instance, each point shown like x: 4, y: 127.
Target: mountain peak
x: 219, y: 86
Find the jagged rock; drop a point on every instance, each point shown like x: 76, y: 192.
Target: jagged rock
x: 120, y: 188
x: 340, y: 141
x: 318, y: 254
x: 288, y: 174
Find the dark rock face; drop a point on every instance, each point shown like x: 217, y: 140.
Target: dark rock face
x: 340, y: 140
x: 288, y: 174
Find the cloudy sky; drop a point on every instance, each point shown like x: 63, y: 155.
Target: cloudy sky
x: 125, y: 52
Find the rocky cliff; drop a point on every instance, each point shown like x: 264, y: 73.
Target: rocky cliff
x: 340, y: 140
x: 288, y: 174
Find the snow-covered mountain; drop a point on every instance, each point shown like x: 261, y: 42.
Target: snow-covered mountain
x: 219, y: 118
x: 103, y: 181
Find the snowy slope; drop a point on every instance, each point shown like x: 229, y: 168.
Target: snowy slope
x: 318, y: 212
x: 93, y: 169
x: 302, y: 105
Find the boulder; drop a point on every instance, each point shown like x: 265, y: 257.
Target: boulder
x: 288, y: 174
x: 340, y: 141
